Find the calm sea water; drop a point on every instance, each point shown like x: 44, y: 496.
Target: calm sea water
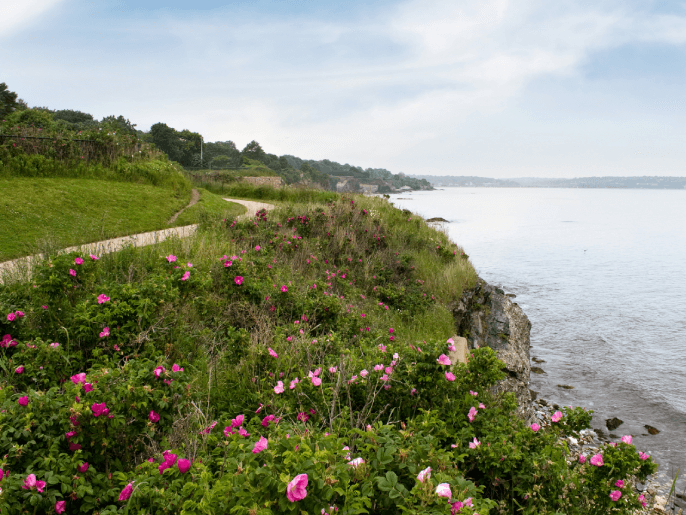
x: 601, y: 274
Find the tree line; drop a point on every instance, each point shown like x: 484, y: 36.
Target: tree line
x: 189, y: 149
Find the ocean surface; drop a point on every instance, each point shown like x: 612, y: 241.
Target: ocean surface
x: 601, y: 274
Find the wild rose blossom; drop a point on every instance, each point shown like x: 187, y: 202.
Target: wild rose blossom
x: 177, y: 368
x: 619, y: 483
x: 102, y: 298
x: 83, y: 467
x: 456, y: 507
x: 185, y: 276
x: 126, y: 492
x: 364, y: 373
x: 294, y: 382
x: 105, y: 332
x: 557, y: 416
x: 424, y: 475
x: 597, y: 460
x: 615, y: 495
x: 582, y: 459
x: 279, y: 387
x: 643, y: 456
x: 153, y: 417
x: 443, y: 490
x: 535, y: 427
x: 184, y: 465
x: 296, y: 489
x: 23, y: 401
x: 238, y: 421
x: 159, y: 370
x: 78, y: 261
x: 99, y: 409
x: 59, y: 507
x: 19, y: 369
x: 87, y: 387
x: 444, y: 360
x: 30, y: 482
x: 476, y: 443
x: 627, y: 439
x: 472, y: 415
x: 238, y: 280
x: 450, y: 376
x: 11, y: 317
x: 260, y: 445
x: 94, y: 257
x: 171, y: 258
x: 79, y: 378
x: 356, y: 462
x: 72, y: 272
x: 272, y: 353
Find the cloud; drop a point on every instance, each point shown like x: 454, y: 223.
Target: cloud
x: 15, y: 15
x: 368, y: 88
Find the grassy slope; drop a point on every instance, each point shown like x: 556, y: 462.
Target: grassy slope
x: 209, y: 205
x: 56, y: 213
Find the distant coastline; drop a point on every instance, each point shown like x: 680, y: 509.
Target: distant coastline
x: 644, y: 182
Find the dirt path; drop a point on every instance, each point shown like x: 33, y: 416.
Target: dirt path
x: 195, y: 196
x: 22, y: 266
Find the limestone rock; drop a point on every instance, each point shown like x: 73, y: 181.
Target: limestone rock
x: 486, y: 316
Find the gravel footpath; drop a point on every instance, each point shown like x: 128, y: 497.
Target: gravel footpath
x: 22, y: 266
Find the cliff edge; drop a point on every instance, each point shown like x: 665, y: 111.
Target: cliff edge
x: 484, y: 315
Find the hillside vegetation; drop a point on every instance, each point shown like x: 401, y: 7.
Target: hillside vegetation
x: 295, y: 362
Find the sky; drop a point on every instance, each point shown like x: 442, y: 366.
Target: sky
x: 492, y: 88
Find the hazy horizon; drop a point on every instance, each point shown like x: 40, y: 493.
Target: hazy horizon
x: 490, y: 88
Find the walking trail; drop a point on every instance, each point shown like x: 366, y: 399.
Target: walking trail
x: 23, y: 266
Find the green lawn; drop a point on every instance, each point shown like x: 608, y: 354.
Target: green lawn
x: 48, y: 214
x: 212, y: 205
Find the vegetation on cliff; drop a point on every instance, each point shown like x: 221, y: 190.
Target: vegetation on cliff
x: 295, y: 362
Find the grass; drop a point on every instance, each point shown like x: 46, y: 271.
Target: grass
x: 212, y: 206
x: 67, y: 212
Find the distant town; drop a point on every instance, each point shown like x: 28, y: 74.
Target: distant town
x: 535, y: 182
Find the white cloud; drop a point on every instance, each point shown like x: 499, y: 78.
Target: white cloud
x: 17, y: 14
x: 367, y: 90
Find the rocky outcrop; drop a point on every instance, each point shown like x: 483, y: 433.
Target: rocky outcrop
x: 486, y: 316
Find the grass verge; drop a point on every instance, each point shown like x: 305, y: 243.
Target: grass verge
x: 64, y: 212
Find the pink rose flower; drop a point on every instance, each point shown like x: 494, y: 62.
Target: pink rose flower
x: 238, y: 421
x: 450, y: 376
x: 627, y: 439
x: 99, y: 409
x: 20, y: 314
x: 296, y: 489
x: 59, y: 507
x: 356, y: 462
x: 557, y: 416
x: 597, y: 460
x: 83, y: 467
x: 476, y: 443
x: 472, y: 415
x: 74, y: 446
x: 102, y: 298
x: 238, y: 280
x: 30, y: 482
x: 185, y: 276
x: 424, y: 475
x: 619, y: 483
x: 456, y: 507
x: 582, y: 459
x: 443, y: 490
x: 23, y: 401
x: 153, y: 417
x: 184, y: 465
x: 105, y: 332
x: 171, y: 258
x: 615, y: 495
x: 272, y: 353
x: 79, y: 378
x: 159, y: 370
x: 87, y: 387
x: 78, y: 261
x: 279, y: 387
x: 535, y: 427
x: 11, y: 317
x: 94, y: 257
x: 177, y: 368
x: 643, y: 456
x: 126, y: 492
x: 316, y: 381
x: 19, y: 369
x: 444, y: 360
x: 72, y: 272
x: 260, y: 445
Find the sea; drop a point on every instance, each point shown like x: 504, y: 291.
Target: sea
x: 601, y: 274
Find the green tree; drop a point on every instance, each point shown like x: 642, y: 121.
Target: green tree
x: 8, y: 100
x: 253, y: 150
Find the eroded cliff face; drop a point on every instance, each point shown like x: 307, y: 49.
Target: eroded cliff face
x: 486, y: 316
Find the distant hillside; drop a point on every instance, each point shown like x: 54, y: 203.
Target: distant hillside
x: 645, y: 182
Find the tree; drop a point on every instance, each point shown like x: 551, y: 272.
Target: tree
x: 8, y: 100
x: 71, y: 116
x: 253, y: 150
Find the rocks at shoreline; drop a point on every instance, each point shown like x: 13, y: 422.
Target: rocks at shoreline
x: 656, y: 488
x: 485, y: 315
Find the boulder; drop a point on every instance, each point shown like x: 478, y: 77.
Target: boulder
x: 484, y: 315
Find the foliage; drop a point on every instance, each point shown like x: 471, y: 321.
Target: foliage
x: 292, y: 328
